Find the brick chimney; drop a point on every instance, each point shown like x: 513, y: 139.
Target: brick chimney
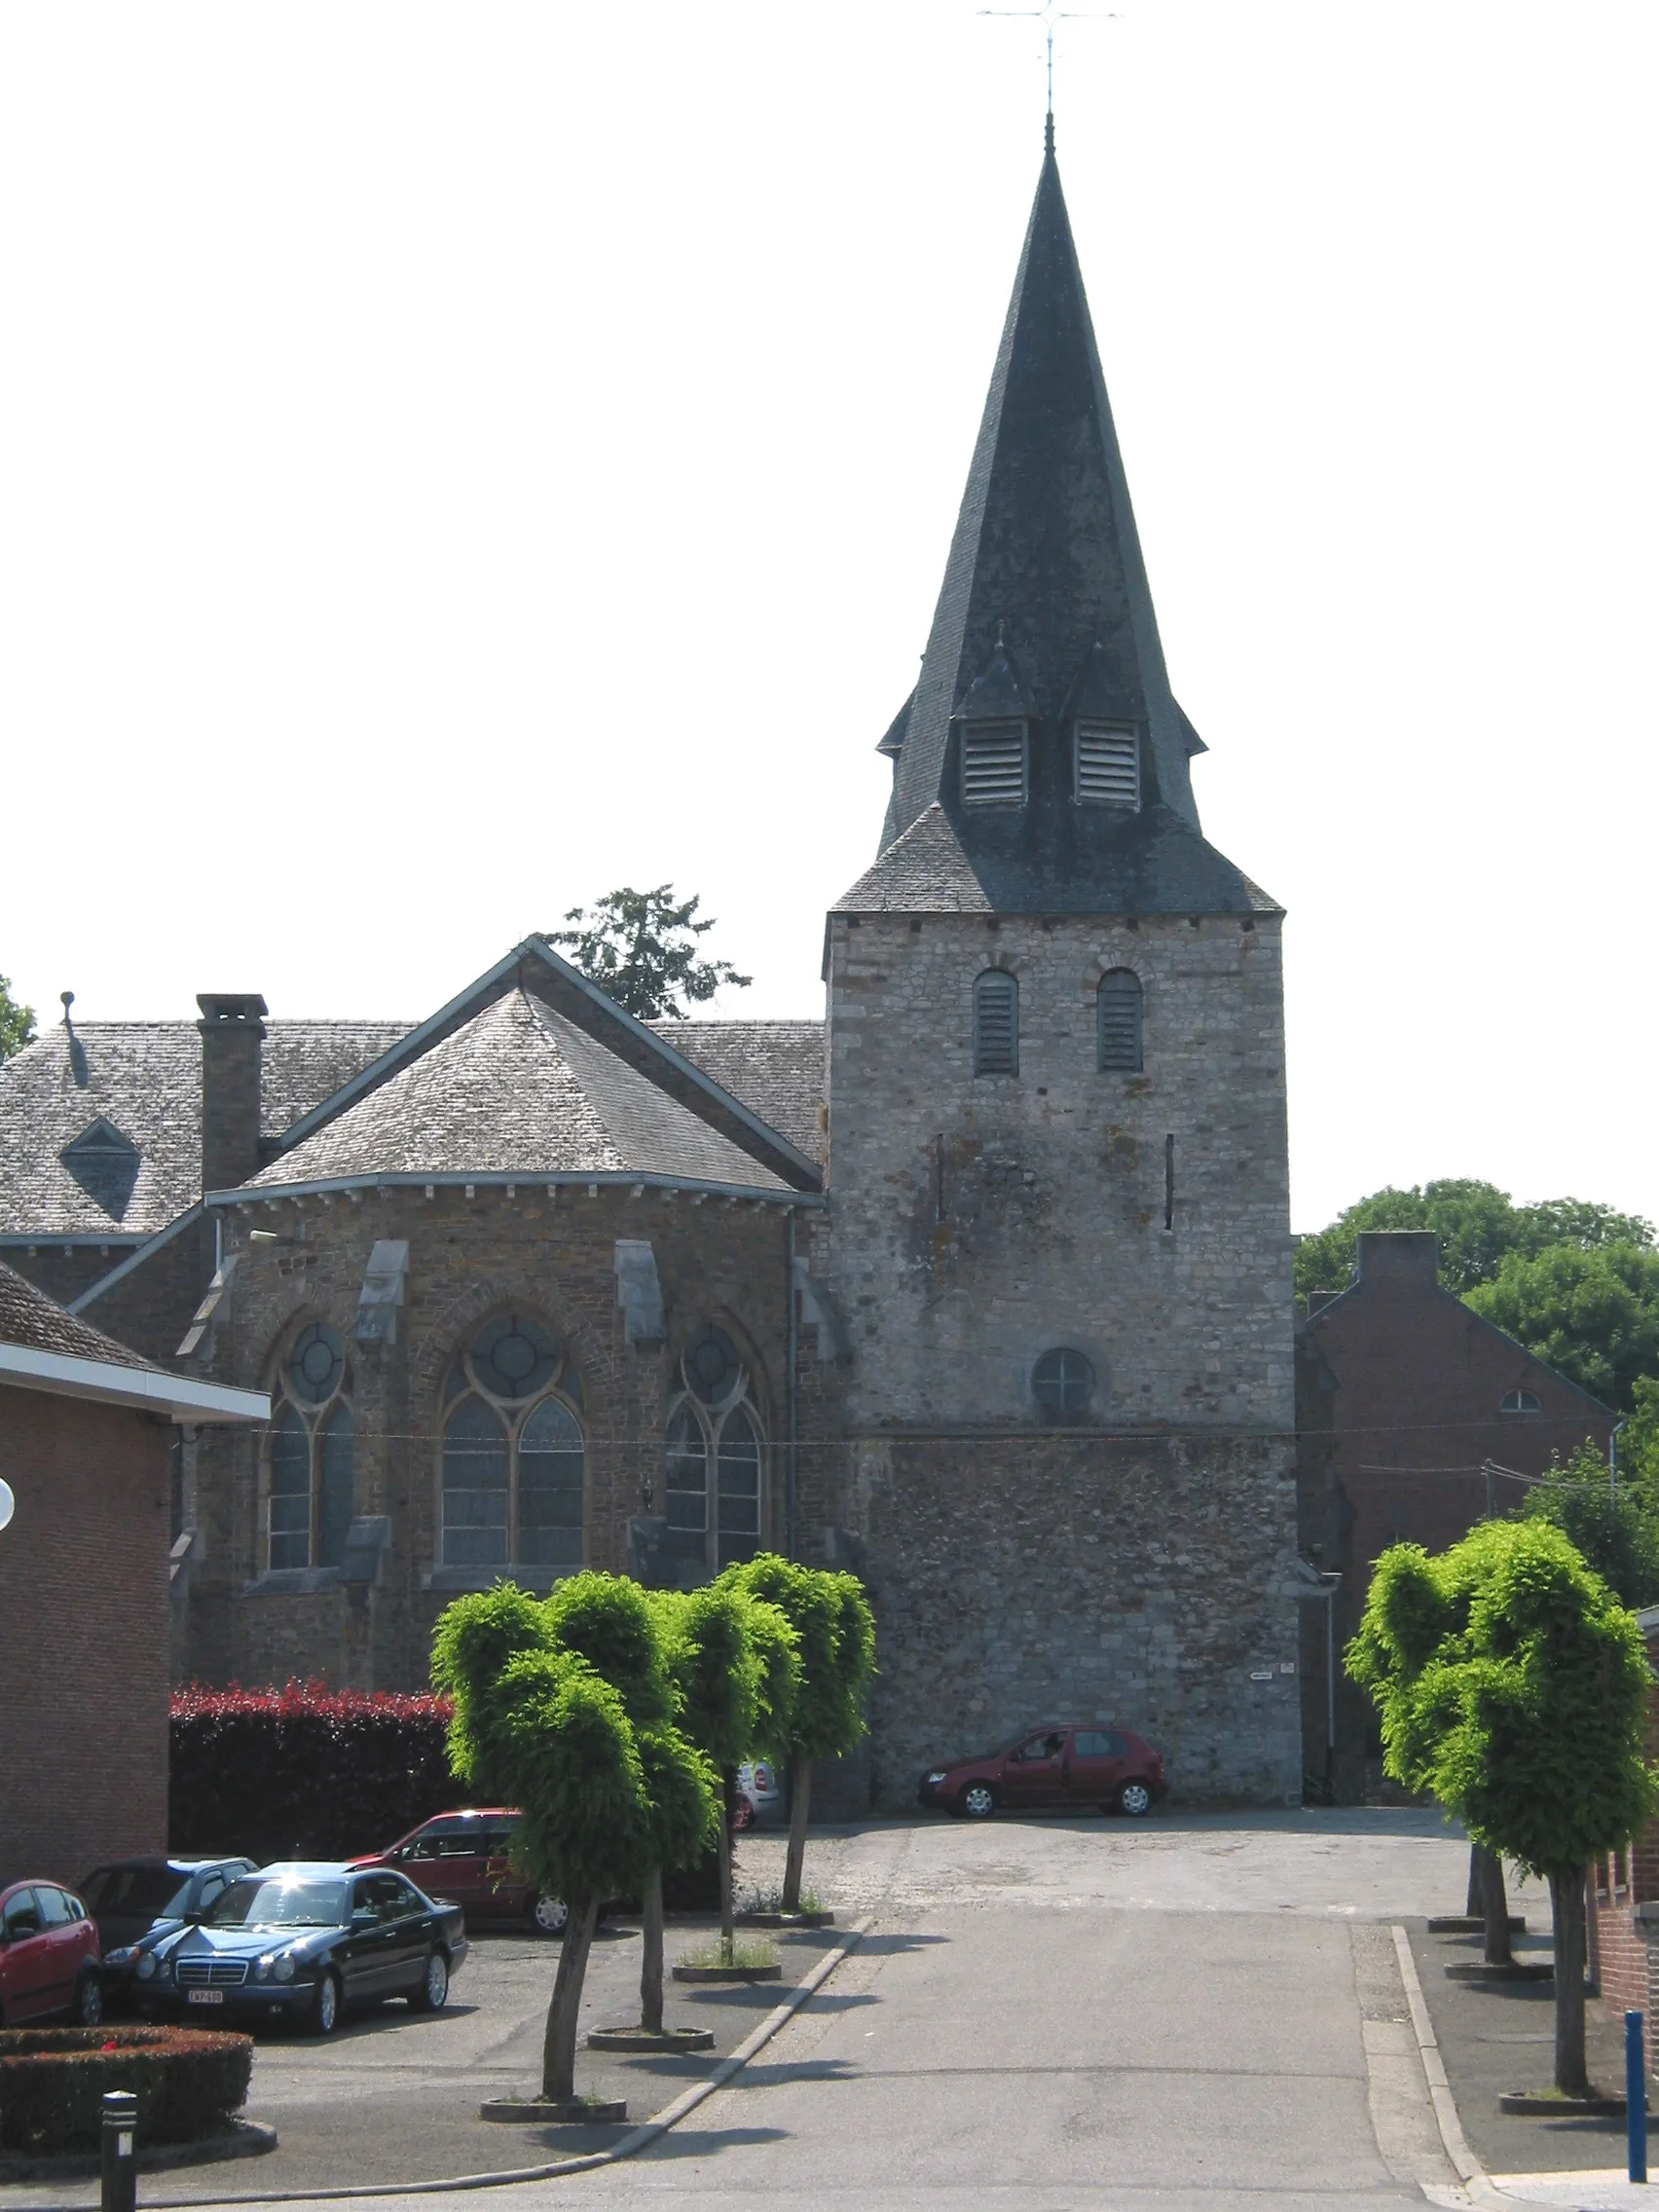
x: 231, y: 1035
x: 1399, y: 1258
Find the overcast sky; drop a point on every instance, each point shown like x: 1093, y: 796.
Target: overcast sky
x: 455, y: 460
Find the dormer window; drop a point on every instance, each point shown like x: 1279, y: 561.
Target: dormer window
x: 994, y: 763
x: 1107, y: 763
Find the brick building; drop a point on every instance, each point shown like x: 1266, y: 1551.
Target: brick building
x: 87, y: 1435
x: 1415, y: 1419
x: 981, y: 1284
x: 1622, y: 1892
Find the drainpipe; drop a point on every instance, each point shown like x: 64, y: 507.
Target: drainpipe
x: 790, y: 1386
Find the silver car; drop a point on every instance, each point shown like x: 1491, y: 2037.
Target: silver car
x: 758, y: 1795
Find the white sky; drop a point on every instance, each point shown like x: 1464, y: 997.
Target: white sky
x: 453, y: 461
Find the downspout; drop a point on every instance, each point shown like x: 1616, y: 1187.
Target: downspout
x: 790, y: 1334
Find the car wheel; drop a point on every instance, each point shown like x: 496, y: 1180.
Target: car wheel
x: 1133, y: 1799
x: 978, y: 1800
x: 548, y: 1915
x: 326, y: 2005
x: 88, y: 2002
x: 434, y: 1985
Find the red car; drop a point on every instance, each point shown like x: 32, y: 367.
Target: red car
x: 462, y: 1858
x: 49, y: 1956
x: 1078, y: 1766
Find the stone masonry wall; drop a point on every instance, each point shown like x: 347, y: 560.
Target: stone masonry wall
x: 979, y: 1221
x: 551, y: 1255
x: 1082, y: 1577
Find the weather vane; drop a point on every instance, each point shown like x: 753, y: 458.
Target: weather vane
x: 1048, y: 14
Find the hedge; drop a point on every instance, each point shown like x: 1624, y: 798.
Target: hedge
x: 53, y: 2081
x: 304, y: 1772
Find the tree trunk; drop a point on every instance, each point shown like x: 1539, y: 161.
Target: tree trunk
x: 728, y: 1924
x: 650, y: 1959
x: 1494, y: 1909
x: 559, y: 2045
x: 801, y: 1798
x: 1566, y: 1913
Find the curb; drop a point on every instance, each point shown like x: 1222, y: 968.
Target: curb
x: 1477, y: 2183
x: 637, y: 2138
x: 248, y: 2139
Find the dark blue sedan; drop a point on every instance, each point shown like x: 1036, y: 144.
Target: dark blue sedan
x: 305, y: 1942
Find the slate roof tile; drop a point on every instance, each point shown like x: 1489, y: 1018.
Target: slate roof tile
x: 144, y: 1079
x: 517, y: 1089
x: 38, y: 1323
x: 775, y: 1068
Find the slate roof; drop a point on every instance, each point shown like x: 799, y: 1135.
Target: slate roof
x: 775, y: 1067
x: 143, y: 1078
x: 518, y: 1088
x: 38, y: 1323
x: 1046, y: 576
x: 1154, y: 864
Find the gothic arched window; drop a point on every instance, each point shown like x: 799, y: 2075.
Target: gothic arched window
x: 307, y: 1501
x: 512, y: 1456
x: 996, y: 1023
x: 715, y: 1458
x: 1118, y: 1024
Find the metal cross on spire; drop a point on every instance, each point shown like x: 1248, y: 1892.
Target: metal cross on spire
x: 1048, y: 14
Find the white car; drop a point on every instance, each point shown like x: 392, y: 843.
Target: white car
x: 759, y: 1797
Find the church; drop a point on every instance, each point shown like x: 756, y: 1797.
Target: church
x: 981, y: 1286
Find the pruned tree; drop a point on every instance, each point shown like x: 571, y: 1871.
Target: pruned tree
x: 16, y: 1023
x: 718, y: 1671
x: 1484, y: 1661
x: 641, y: 947
x: 565, y: 1710
x: 835, y: 1630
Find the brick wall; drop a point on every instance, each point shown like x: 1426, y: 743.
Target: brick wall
x: 1623, y: 1942
x: 84, y: 1622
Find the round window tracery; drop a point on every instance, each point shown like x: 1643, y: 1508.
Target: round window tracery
x: 513, y: 1454
x: 317, y: 1364
x: 714, y: 1460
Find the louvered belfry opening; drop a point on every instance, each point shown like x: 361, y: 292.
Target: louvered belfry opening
x: 996, y: 1025
x: 993, y: 763
x: 1118, y: 1024
x: 1108, y: 766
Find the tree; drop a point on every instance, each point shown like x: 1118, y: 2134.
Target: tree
x: 831, y: 1618
x: 1616, y: 1534
x: 16, y: 1023
x: 641, y: 948
x: 564, y: 1709
x: 1478, y: 1225
x: 1592, y: 1311
x: 1483, y: 1663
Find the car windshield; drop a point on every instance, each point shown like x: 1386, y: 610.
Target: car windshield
x: 271, y: 1902
x: 137, y: 1893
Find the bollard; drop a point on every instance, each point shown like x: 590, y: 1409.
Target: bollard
x: 120, y: 2140
x: 1635, y: 2098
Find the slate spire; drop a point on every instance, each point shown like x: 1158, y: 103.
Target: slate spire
x: 1046, y: 565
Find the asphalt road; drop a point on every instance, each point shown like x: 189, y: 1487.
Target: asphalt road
x: 1057, y: 2016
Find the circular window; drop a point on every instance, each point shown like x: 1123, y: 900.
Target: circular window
x: 316, y: 1364
x: 714, y: 1372
x: 511, y: 1357
x: 1062, y: 1381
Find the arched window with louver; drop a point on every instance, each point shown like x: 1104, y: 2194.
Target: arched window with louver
x: 1118, y: 1024
x: 996, y: 1023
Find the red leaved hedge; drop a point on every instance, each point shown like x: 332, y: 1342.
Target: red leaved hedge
x: 52, y: 2082
x: 304, y: 1772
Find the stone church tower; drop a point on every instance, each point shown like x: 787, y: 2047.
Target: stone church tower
x: 1058, y: 1231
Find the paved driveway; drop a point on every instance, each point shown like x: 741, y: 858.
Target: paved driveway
x: 1193, y: 2014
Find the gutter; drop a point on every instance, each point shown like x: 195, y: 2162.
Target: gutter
x: 146, y: 1389
x: 510, y: 1179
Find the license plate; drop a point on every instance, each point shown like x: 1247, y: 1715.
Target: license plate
x: 206, y: 1995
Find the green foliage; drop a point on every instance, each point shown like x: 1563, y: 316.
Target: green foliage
x: 472, y: 1642
x: 53, y: 2081
x: 641, y: 947
x: 1478, y: 1225
x: 835, y: 1635
x: 716, y: 1670
x: 1617, y: 1535
x: 1512, y: 1683
x: 16, y: 1023
x: 777, y: 1650
x: 683, y: 1794
x: 1637, y: 1443
x: 1592, y: 1311
x: 611, y: 1622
